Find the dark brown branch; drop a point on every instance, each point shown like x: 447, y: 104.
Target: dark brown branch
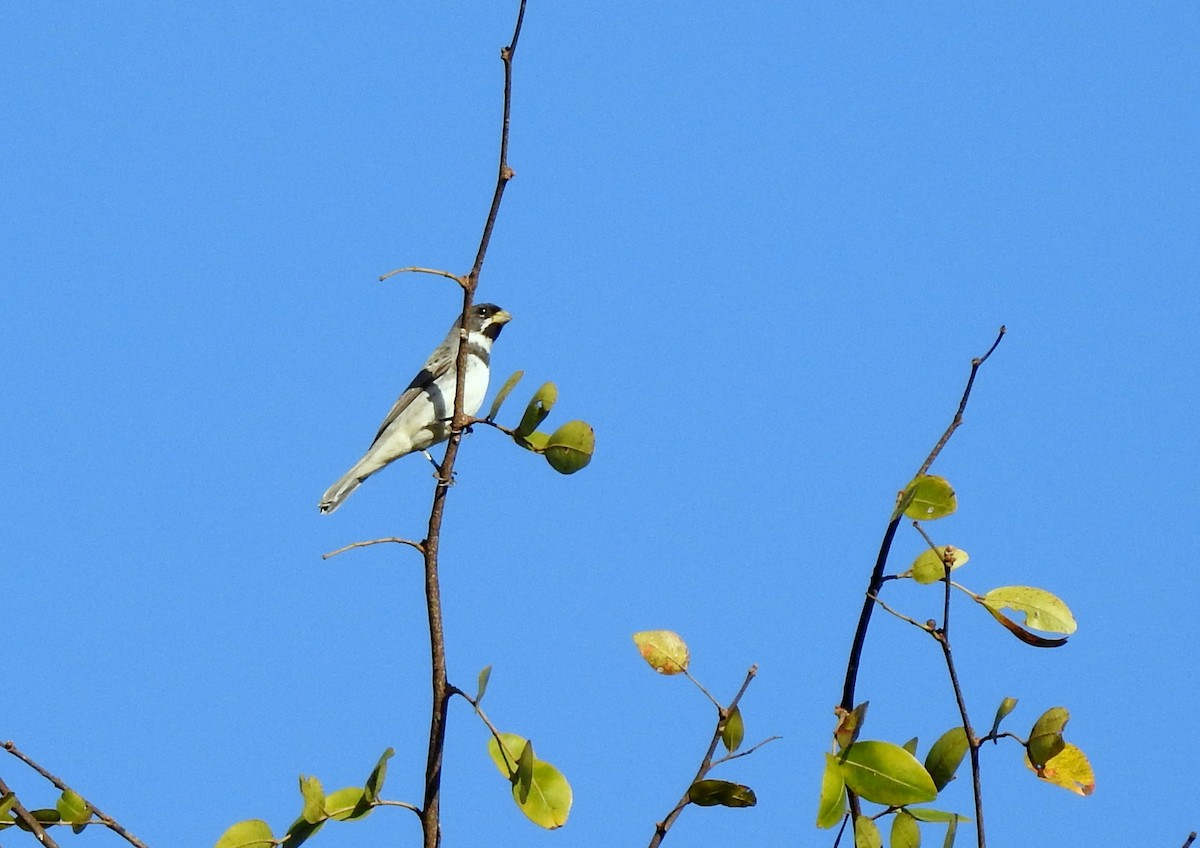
x: 431, y: 806
x: 1191, y: 838
x: 107, y: 820
x: 706, y: 764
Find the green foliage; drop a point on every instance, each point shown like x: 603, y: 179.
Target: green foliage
x: 711, y: 793
x: 945, y: 756
x: 568, y: 449
x: 733, y: 731
x: 317, y: 807
x: 539, y: 789
x: 885, y: 774
x: 926, y: 498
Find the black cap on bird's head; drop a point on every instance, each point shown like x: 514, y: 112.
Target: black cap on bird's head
x: 487, y: 318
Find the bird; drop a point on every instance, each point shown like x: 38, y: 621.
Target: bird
x: 421, y: 417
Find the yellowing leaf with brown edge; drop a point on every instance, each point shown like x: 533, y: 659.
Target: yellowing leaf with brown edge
x: 664, y: 650
x: 1070, y: 769
x: 1043, y: 611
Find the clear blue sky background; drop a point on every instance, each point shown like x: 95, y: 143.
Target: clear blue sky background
x: 755, y: 246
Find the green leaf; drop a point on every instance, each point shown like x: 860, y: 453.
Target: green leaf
x: 314, y: 800
x: 548, y: 802
x: 506, y: 759
x: 1045, y: 739
x: 832, y: 804
x: 927, y: 498
x: 41, y: 816
x: 378, y: 775
x: 928, y: 567
x: 1043, y: 611
x: 7, y: 802
x: 886, y: 774
x: 502, y: 395
x: 926, y: 814
x: 734, y: 731
x: 538, y: 408
x: 535, y: 441
x: 481, y: 687
x: 523, y: 779
x: 951, y: 832
x: 72, y: 808
x: 866, y: 833
x: 251, y: 833
x: 347, y: 804
x: 570, y: 447
x: 945, y: 756
x: 906, y: 833
x: 911, y: 746
x: 710, y: 793
x: 301, y: 830
x: 664, y: 650
x: 1002, y: 711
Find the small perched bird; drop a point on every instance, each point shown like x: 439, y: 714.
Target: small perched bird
x: 421, y: 417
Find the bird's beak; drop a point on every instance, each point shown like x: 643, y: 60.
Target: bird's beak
x: 501, y: 317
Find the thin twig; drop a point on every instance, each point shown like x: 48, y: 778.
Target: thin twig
x: 962, y: 405
x: 431, y: 807
x: 413, y: 269
x: 942, y: 636
x: 1191, y: 838
x: 107, y: 820
x: 747, y: 752
x: 706, y: 764
x: 390, y: 539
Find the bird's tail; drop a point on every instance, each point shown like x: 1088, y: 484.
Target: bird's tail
x: 341, y: 490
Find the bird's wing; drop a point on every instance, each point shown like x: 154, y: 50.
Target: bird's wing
x: 438, y: 363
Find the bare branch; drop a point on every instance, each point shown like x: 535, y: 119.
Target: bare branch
x: 390, y: 539
x: 107, y: 820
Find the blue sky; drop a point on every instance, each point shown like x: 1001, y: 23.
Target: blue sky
x: 756, y: 248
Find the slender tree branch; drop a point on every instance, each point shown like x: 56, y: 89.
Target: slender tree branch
x: 864, y: 618
x: 706, y: 764
x: 107, y: 820
x: 943, y: 639
x: 1191, y: 838
x: 962, y: 405
x: 431, y: 807
x: 413, y: 269
x: 885, y: 547
x: 393, y: 539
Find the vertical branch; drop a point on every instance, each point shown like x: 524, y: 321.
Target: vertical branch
x: 943, y: 638
x: 431, y: 807
x: 876, y: 581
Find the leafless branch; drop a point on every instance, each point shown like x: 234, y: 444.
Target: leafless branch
x: 107, y: 820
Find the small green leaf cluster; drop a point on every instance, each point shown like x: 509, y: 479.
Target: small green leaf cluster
x: 667, y: 653
x: 318, y: 807
x: 891, y: 775
x: 568, y: 449
x: 69, y: 809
